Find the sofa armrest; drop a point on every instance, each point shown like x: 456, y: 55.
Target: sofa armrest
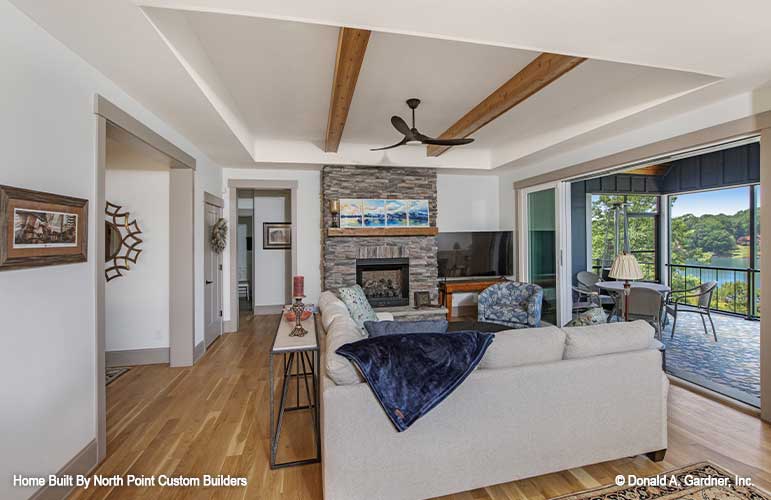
x: 385, y: 316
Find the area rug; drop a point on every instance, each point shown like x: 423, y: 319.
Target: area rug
x: 112, y: 374
x: 702, y: 481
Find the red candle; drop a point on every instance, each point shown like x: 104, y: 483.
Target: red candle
x: 298, y: 286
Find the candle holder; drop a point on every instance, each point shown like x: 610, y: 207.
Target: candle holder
x: 334, y: 209
x: 298, y: 308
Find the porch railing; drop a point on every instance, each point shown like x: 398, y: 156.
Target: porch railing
x: 737, y: 292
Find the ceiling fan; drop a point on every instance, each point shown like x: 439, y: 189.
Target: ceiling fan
x: 412, y: 136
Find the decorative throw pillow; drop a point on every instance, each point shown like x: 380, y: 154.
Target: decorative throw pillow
x: 379, y: 328
x: 357, y: 304
x: 594, y: 316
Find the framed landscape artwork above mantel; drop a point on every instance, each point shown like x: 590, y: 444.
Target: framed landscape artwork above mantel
x: 380, y: 213
x: 41, y: 229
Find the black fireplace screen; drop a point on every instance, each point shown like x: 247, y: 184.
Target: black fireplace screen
x: 386, y: 282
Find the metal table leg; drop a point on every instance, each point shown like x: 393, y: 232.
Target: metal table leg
x: 307, y: 361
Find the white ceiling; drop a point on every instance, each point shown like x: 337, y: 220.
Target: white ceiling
x: 247, y: 82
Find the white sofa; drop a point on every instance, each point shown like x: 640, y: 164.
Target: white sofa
x: 501, y: 424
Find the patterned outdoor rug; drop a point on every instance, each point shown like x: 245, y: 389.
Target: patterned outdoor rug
x: 730, y: 366
x: 703, y: 481
x: 112, y: 374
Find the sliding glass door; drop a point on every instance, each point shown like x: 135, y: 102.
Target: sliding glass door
x: 542, y: 248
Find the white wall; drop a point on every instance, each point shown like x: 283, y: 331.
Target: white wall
x: 48, y: 143
x: 270, y: 266
x: 137, y: 303
x: 308, y: 222
x: 467, y: 203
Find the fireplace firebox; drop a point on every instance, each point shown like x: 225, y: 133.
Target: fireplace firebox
x: 386, y: 282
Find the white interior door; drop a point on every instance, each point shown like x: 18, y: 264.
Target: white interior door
x: 544, y: 247
x: 213, y: 279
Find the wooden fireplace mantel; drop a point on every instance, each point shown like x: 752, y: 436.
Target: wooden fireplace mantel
x: 381, y: 231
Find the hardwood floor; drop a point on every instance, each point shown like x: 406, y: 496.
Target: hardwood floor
x: 213, y: 419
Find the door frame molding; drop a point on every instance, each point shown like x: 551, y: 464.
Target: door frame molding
x: 182, y: 267
x: 563, y: 242
x: 233, y: 185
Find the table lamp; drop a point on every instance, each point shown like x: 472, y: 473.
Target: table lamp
x: 625, y: 267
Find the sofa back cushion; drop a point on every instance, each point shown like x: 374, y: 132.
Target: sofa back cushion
x: 525, y: 346
x: 357, y: 304
x: 342, y: 331
x: 380, y: 328
x: 331, y: 307
x: 609, y: 338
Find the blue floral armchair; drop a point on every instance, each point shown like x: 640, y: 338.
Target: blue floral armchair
x: 512, y: 304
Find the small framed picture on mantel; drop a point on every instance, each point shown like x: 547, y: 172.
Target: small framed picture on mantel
x: 41, y: 229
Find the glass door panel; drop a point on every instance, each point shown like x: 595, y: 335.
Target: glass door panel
x: 542, y: 248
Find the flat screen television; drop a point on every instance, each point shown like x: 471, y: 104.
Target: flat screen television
x: 475, y: 254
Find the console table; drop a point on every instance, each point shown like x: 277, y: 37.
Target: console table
x: 303, y: 354
x: 447, y: 288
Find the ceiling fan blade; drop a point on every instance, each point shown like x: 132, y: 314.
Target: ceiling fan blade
x: 400, y: 125
x: 446, y: 142
x: 400, y: 143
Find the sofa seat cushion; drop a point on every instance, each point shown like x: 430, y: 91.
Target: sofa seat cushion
x: 506, y: 313
x: 342, y: 331
x: 608, y: 338
x: 525, y: 347
x: 357, y: 304
x: 379, y: 328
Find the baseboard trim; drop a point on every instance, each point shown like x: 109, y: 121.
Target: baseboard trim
x: 199, y: 350
x: 276, y: 309
x: 133, y: 357
x: 230, y: 326
x: 82, y: 463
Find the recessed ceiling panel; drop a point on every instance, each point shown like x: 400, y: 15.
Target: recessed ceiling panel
x: 448, y: 77
x: 279, y: 72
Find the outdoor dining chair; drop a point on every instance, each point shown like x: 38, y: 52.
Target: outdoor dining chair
x: 679, y: 303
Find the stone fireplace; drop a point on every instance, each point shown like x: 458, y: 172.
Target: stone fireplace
x: 342, y: 254
x: 386, y: 282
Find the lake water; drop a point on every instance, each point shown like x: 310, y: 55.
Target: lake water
x: 722, y: 276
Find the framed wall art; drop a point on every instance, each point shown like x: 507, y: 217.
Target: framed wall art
x: 276, y: 235
x: 41, y: 229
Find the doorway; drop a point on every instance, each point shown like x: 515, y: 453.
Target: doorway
x: 166, y: 262
x: 265, y: 213
x: 544, y: 248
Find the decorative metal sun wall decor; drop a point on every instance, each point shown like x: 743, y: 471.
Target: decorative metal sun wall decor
x: 121, y: 246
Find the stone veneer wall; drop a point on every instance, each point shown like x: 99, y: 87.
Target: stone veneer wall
x: 340, y: 253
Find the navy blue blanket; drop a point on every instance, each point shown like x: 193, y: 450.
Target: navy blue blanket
x: 412, y: 373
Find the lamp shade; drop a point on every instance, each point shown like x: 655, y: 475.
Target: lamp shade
x: 625, y: 267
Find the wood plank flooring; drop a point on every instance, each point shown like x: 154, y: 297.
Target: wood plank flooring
x: 213, y: 419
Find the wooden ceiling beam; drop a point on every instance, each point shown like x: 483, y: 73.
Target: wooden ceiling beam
x: 351, y: 46
x: 543, y: 70
x: 649, y: 170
